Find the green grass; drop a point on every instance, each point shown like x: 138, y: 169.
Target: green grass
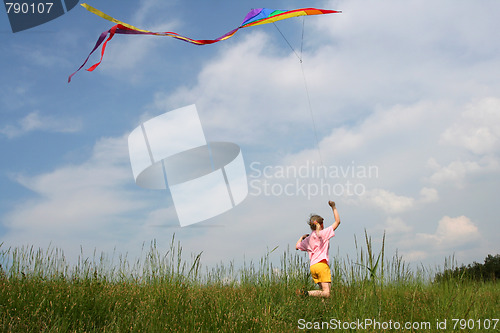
x: 41, y: 292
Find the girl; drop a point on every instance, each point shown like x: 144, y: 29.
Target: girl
x: 317, y: 245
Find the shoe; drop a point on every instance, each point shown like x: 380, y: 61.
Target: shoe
x: 302, y: 292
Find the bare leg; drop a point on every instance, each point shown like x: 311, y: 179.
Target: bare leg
x: 324, y: 292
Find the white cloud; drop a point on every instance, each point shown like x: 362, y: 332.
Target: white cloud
x: 395, y: 225
x: 388, y: 201
x: 344, y: 140
x: 78, y: 198
x: 477, y: 129
x: 392, y: 203
x: 34, y: 121
x: 415, y: 256
x: 429, y: 195
x: 456, y: 172
x: 451, y: 233
x: 474, y: 133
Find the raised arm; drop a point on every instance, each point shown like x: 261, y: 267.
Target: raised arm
x: 335, y: 214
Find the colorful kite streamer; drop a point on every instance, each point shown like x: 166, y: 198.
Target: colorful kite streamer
x: 254, y: 17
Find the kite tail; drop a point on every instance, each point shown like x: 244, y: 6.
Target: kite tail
x: 97, y: 44
x: 111, y: 34
x: 255, y: 17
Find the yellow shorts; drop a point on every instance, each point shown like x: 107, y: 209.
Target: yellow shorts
x: 321, y: 272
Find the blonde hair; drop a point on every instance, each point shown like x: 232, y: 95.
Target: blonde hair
x: 312, y: 218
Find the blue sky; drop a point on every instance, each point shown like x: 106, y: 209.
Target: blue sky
x: 409, y: 89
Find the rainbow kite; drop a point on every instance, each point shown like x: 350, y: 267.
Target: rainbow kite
x: 254, y: 17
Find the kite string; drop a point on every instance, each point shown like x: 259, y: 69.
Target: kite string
x: 312, y: 114
x: 302, y: 39
x: 286, y: 40
x: 308, y: 96
x: 305, y: 85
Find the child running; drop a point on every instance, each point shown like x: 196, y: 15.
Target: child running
x: 317, y: 245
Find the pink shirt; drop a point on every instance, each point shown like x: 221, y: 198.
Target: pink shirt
x: 317, y: 247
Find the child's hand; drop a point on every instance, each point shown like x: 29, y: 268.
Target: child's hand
x: 331, y: 204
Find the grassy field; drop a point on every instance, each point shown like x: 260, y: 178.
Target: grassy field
x: 40, y: 292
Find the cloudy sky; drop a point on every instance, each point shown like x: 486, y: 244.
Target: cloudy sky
x: 397, y: 102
